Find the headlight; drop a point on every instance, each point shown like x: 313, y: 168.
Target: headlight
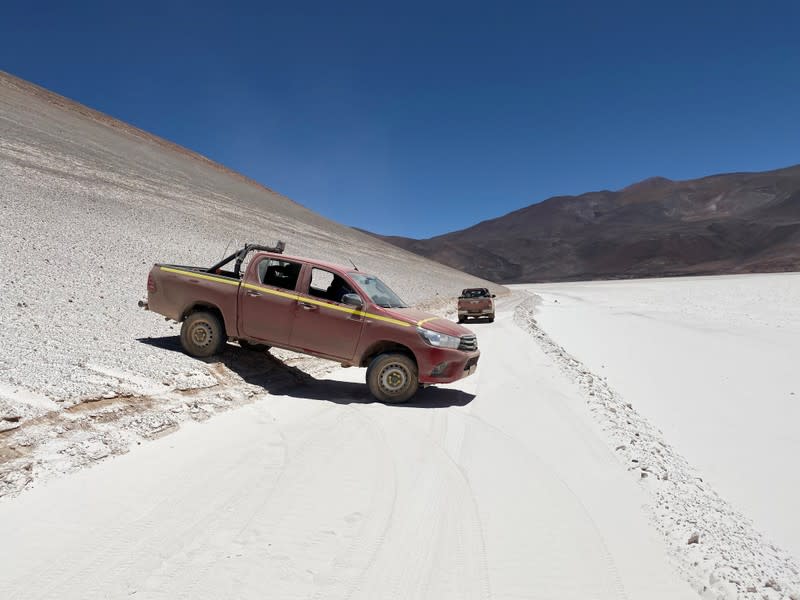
x: 440, y: 340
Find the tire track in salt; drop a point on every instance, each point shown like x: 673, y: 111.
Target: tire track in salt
x: 367, y: 541
x: 604, y: 552
x: 131, y: 536
x: 532, y: 465
x: 268, y: 519
x: 289, y: 549
x: 248, y: 504
x: 440, y: 558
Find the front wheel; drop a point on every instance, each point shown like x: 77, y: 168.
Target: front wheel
x: 202, y: 334
x: 392, y: 378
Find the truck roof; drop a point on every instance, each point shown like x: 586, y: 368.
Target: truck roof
x: 314, y: 261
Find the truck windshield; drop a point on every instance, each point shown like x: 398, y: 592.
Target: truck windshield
x: 380, y: 293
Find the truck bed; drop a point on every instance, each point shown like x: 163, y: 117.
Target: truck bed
x: 174, y: 288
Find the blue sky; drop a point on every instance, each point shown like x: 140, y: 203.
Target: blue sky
x: 418, y: 118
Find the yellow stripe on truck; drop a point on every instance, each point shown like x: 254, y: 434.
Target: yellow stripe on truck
x: 289, y: 295
x: 420, y: 323
x: 199, y: 275
x: 258, y: 288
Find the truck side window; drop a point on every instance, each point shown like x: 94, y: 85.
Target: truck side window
x: 327, y: 285
x: 279, y: 273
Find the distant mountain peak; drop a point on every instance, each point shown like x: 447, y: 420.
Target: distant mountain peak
x: 649, y: 183
x: 728, y: 223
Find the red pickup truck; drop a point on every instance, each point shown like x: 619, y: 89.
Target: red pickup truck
x: 309, y: 306
x: 475, y: 302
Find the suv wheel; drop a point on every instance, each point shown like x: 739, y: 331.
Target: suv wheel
x: 202, y: 334
x: 392, y: 378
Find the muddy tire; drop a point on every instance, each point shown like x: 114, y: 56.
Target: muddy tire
x: 491, y: 319
x: 392, y: 378
x: 253, y: 347
x: 202, y: 334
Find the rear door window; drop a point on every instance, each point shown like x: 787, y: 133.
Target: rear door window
x: 279, y: 273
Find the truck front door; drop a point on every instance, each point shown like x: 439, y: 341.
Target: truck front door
x: 324, y: 324
x: 267, y: 300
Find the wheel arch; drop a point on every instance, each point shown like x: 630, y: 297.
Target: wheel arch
x: 205, y: 307
x: 386, y: 347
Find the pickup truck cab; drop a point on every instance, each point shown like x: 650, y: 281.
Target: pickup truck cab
x: 314, y: 307
x: 475, y: 302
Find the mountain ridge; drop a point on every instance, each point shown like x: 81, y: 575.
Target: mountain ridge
x: 735, y: 222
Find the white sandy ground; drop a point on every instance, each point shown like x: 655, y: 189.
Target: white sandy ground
x: 500, y: 486
x: 713, y: 362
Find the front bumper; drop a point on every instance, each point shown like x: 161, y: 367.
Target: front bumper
x: 443, y: 365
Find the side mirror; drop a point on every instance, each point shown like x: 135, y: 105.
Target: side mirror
x: 494, y: 295
x: 352, y: 300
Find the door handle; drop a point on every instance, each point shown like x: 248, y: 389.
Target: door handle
x: 307, y: 306
x: 252, y: 293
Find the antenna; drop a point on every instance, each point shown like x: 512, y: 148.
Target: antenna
x: 352, y: 263
x: 226, y: 249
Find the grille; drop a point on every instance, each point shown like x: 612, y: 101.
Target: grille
x: 468, y: 343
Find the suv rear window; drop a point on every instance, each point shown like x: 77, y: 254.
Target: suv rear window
x: 475, y: 293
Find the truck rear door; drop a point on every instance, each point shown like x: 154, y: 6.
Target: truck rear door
x: 267, y: 303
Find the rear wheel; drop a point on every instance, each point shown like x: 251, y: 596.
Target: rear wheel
x: 392, y: 378
x: 202, y: 334
x: 491, y: 318
x: 253, y: 347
